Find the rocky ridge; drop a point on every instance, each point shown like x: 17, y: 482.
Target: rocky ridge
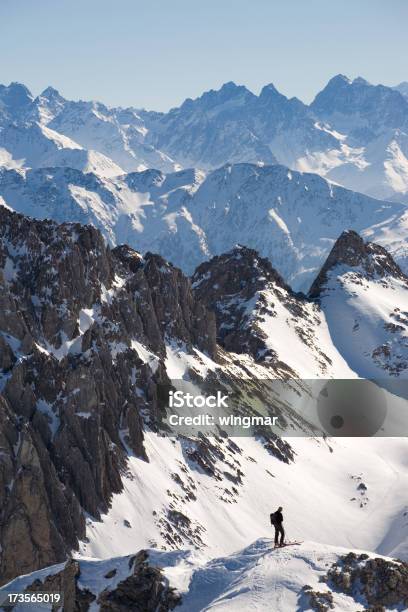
x: 89, y: 340
x: 83, y: 343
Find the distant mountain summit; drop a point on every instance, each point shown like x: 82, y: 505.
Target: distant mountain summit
x: 402, y: 88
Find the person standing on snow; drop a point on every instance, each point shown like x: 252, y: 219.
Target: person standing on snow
x: 276, y: 521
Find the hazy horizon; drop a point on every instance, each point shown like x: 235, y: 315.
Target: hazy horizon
x: 157, y: 55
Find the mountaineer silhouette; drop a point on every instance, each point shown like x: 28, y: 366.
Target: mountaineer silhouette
x: 276, y: 521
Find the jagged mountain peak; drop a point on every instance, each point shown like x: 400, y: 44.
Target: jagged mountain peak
x: 360, y: 81
x: 337, y: 81
x: 360, y: 96
x: 364, y: 297
x: 51, y: 92
x: 214, y: 97
x: 350, y: 250
x: 128, y: 256
x: 269, y: 91
x: 242, y: 269
x: 16, y: 94
x: 255, y: 310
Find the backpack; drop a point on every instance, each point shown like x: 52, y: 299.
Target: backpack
x: 273, y: 519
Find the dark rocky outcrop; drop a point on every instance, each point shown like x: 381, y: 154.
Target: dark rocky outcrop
x: 144, y: 589
x: 320, y: 601
x: 65, y: 583
x: 351, y: 250
x: 243, y: 288
x: 75, y: 387
x: 226, y: 284
x: 382, y: 583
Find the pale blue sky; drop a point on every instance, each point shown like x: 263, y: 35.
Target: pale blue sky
x: 157, y: 52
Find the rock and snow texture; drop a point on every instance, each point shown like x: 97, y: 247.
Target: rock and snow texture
x: 291, y: 218
x: 334, y: 519
x: 89, y: 340
x: 295, y: 578
x: 364, y: 297
x: 171, y: 497
x: 124, y: 583
x: 353, y: 132
x: 258, y: 314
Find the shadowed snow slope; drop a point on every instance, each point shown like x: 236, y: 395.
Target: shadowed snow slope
x: 291, y: 218
x: 263, y: 578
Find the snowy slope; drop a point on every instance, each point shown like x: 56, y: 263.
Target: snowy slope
x: 289, y: 217
x: 118, y: 134
x: 258, y: 577
x: 258, y: 314
x: 323, y: 481
x: 261, y: 578
x: 37, y: 146
x: 120, y: 208
x: 364, y: 297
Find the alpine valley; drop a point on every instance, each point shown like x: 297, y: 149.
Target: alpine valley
x: 233, y: 242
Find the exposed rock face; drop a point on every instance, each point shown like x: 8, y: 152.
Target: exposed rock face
x: 317, y: 600
x: 226, y: 284
x: 64, y: 582
x: 360, y: 277
x: 351, y: 250
x: 85, y: 339
x: 383, y: 584
x: 82, y: 343
x: 254, y: 308
x: 143, y: 588
x: 144, y: 591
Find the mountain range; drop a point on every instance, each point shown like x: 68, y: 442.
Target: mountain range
x: 291, y: 218
x: 90, y: 340
x: 353, y: 133
x: 243, y: 243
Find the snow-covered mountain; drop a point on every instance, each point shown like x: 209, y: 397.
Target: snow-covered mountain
x: 103, y: 499
x: 91, y: 339
x: 354, y: 133
x: 291, y: 218
x: 115, y: 137
x: 308, y: 576
x: 364, y: 296
x: 37, y: 146
x: 117, y: 133
x: 234, y: 125
x: 372, y: 126
x: 258, y: 314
